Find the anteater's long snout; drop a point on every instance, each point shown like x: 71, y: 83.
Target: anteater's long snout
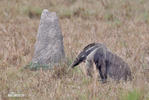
x: 75, y: 63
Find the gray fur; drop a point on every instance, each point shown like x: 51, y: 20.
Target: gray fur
x: 107, y: 63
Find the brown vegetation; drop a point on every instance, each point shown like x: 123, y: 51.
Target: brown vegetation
x: 123, y: 25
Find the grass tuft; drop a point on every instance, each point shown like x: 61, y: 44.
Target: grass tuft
x: 120, y: 24
x: 132, y: 95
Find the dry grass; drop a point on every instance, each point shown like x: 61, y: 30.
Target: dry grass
x: 123, y: 25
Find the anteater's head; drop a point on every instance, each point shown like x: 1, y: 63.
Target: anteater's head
x: 81, y: 57
x: 86, y: 51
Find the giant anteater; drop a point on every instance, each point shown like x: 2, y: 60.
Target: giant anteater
x: 107, y: 63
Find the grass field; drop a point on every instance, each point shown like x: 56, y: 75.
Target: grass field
x: 122, y: 25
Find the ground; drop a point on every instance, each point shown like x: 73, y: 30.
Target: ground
x: 122, y: 25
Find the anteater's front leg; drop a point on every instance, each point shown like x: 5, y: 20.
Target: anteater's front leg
x: 89, y: 67
x: 101, y: 66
